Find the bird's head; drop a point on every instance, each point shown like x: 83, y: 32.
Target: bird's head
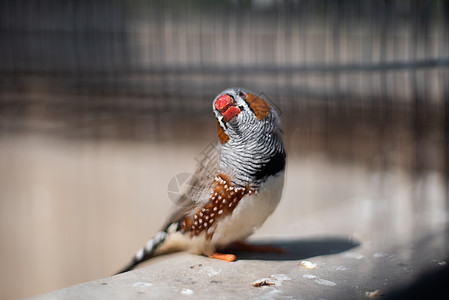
x: 236, y: 109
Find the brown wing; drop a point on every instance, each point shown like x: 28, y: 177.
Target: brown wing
x: 200, y: 185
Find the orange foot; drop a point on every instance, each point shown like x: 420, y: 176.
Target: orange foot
x: 226, y: 257
x: 244, y: 246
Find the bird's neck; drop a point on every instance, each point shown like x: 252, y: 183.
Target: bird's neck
x: 246, y: 156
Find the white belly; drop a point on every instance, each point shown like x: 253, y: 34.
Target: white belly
x: 250, y: 213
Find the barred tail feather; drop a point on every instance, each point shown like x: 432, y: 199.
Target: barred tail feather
x: 146, y: 252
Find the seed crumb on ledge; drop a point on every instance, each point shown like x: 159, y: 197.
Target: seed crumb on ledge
x: 308, y: 265
x: 262, y: 282
x: 375, y: 294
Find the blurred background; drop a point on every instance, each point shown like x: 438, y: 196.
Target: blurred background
x: 102, y: 103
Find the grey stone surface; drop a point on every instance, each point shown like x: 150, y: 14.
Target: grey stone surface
x: 337, y: 268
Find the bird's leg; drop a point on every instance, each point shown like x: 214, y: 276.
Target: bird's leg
x: 222, y: 256
x: 242, y: 246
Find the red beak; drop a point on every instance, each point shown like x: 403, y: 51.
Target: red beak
x: 227, y: 106
x: 223, y: 102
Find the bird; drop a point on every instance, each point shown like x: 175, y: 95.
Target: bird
x: 232, y: 193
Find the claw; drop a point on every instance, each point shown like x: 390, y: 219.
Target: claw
x: 222, y: 256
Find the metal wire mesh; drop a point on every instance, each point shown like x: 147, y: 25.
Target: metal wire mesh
x: 381, y: 65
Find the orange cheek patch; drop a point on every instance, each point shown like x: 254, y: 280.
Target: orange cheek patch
x: 260, y: 108
x: 221, y: 134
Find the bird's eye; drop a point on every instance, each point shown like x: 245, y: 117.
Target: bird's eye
x: 242, y: 95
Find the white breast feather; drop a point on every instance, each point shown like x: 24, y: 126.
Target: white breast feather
x: 250, y: 213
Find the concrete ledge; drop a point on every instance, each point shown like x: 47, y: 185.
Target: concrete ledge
x: 336, y: 268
